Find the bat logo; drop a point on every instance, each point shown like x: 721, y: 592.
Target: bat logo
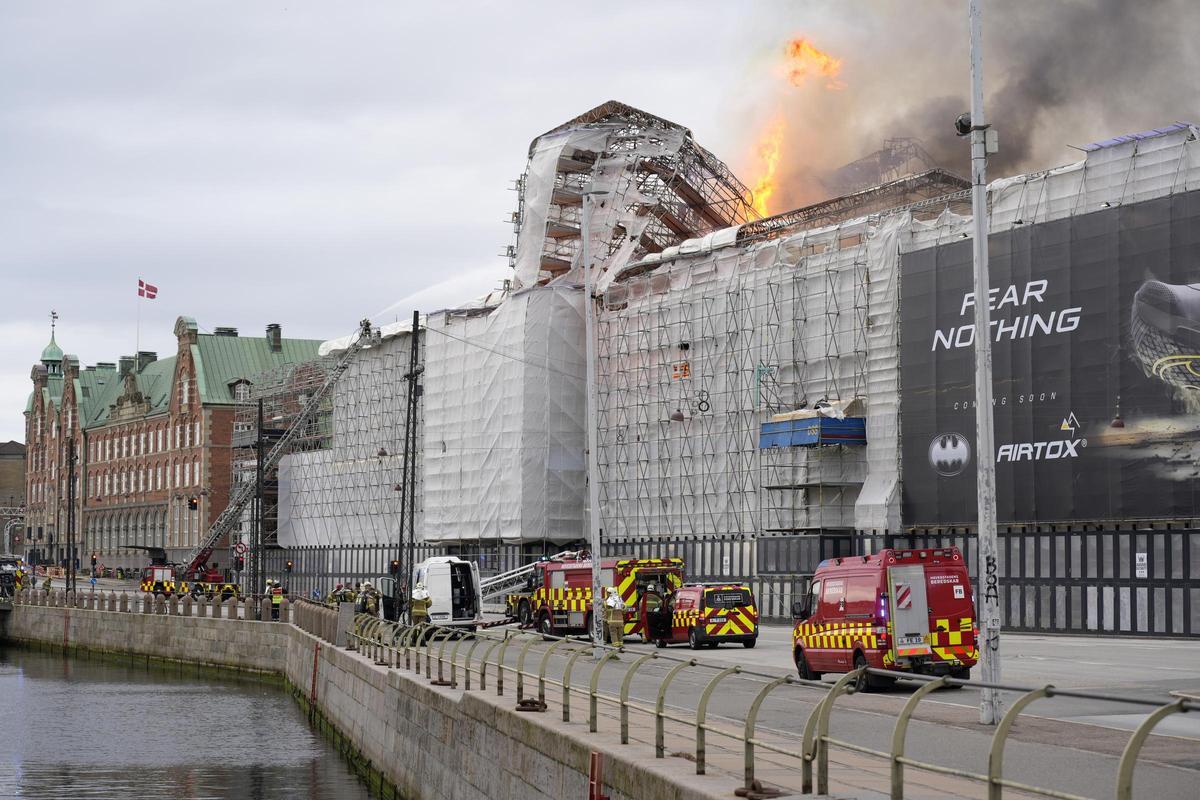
x: 949, y: 454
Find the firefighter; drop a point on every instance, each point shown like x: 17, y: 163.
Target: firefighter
x: 420, y: 605
x: 368, y: 599
x: 47, y: 584
x: 334, y: 597
x: 276, y: 592
x: 614, y: 617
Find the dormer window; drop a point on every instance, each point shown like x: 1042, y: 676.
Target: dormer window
x: 241, y: 391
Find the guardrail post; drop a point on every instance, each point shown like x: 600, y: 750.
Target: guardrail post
x: 820, y: 729
x: 441, y: 680
x: 659, y: 727
x: 1000, y: 737
x: 467, y: 665
x: 442, y: 632
x: 1134, y: 746
x: 901, y: 730
x: 483, y: 665
x: 702, y: 713
x: 500, y: 662
x: 751, y: 719
x: 592, y: 699
x: 625, y: 693
x: 521, y: 668
x: 567, y: 682
x: 542, y: 669
x: 454, y: 659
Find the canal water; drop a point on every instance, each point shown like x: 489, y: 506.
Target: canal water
x: 84, y: 728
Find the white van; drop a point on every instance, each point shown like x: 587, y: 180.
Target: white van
x: 453, y: 586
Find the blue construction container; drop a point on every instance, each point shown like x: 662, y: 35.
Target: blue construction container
x: 813, y: 432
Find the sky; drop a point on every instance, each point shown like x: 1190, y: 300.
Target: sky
x: 311, y: 164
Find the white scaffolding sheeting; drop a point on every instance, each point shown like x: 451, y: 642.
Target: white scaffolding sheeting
x: 503, y: 441
x: 348, y: 492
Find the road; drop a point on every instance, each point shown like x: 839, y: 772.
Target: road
x: 1067, y: 744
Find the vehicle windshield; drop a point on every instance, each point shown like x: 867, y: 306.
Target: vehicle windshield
x: 727, y: 598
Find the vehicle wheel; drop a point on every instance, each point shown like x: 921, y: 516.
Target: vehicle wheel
x: 749, y: 645
x: 960, y: 673
x: 660, y: 643
x: 524, y: 616
x: 545, y: 627
x: 693, y: 639
x: 805, y: 672
x: 867, y: 682
x: 862, y: 682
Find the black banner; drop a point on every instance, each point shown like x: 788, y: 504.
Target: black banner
x: 1096, y: 355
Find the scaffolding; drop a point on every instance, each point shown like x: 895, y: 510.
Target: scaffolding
x: 695, y: 355
x: 661, y: 188
x: 341, y: 483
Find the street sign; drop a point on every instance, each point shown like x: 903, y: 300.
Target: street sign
x: 1140, y: 565
x: 240, y: 548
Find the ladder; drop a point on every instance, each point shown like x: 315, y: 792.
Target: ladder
x: 245, y: 493
x: 506, y: 582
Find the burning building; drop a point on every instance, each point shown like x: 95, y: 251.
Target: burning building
x: 778, y: 390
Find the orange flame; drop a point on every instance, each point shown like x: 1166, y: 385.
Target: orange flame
x: 804, y: 60
x: 768, y: 149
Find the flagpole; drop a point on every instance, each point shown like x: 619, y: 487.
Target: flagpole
x: 138, y: 338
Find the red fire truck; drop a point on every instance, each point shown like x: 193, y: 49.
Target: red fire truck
x: 903, y: 610
x: 558, y: 598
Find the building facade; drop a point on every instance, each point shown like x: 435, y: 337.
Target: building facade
x: 150, y: 440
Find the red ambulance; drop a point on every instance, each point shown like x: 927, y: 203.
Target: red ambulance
x: 902, y: 610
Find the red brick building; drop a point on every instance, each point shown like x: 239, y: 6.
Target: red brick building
x: 152, y: 441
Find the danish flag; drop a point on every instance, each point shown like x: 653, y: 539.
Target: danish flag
x: 147, y: 290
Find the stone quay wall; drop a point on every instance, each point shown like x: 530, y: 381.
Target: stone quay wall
x: 420, y: 741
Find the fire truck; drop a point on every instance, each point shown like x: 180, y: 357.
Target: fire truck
x: 168, y: 579
x: 557, y: 598
x: 902, y: 610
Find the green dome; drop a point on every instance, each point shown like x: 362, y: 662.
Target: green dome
x: 52, y: 352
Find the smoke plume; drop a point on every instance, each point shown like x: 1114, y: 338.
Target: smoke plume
x: 1057, y: 73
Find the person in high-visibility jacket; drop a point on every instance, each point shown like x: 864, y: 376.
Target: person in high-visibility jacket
x: 614, y: 617
x: 419, y: 610
x: 276, y: 592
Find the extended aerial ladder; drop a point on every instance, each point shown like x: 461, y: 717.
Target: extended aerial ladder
x: 506, y: 582
x: 242, y: 496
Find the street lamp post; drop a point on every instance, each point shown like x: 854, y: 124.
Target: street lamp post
x: 990, y: 704
x: 593, y: 472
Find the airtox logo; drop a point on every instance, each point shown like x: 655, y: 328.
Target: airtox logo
x: 949, y: 454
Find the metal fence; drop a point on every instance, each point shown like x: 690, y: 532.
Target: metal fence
x: 544, y: 671
x: 1123, y: 580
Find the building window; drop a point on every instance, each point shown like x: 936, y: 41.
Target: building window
x: 177, y: 483
x: 185, y: 390
x: 158, y: 476
x: 160, y: 446
x: 197, y: 434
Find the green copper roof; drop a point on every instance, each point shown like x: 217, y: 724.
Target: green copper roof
x: 52, y: 352
x: 221, y: 361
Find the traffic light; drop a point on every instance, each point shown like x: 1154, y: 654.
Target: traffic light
x: 193, y: 503
x: 395, y: 567
x: 288, y: 566
x: 240, y: 563
x: 93, y: 560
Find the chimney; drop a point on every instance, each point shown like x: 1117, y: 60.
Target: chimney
x: 145, y: 358
x: 225, y: 332
x: 125, y: 364
x: 275, y: 337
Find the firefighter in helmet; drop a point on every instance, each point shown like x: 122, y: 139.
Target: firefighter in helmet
x: 420, y: 605
x: 368, y: 599
x: 614, y: 617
